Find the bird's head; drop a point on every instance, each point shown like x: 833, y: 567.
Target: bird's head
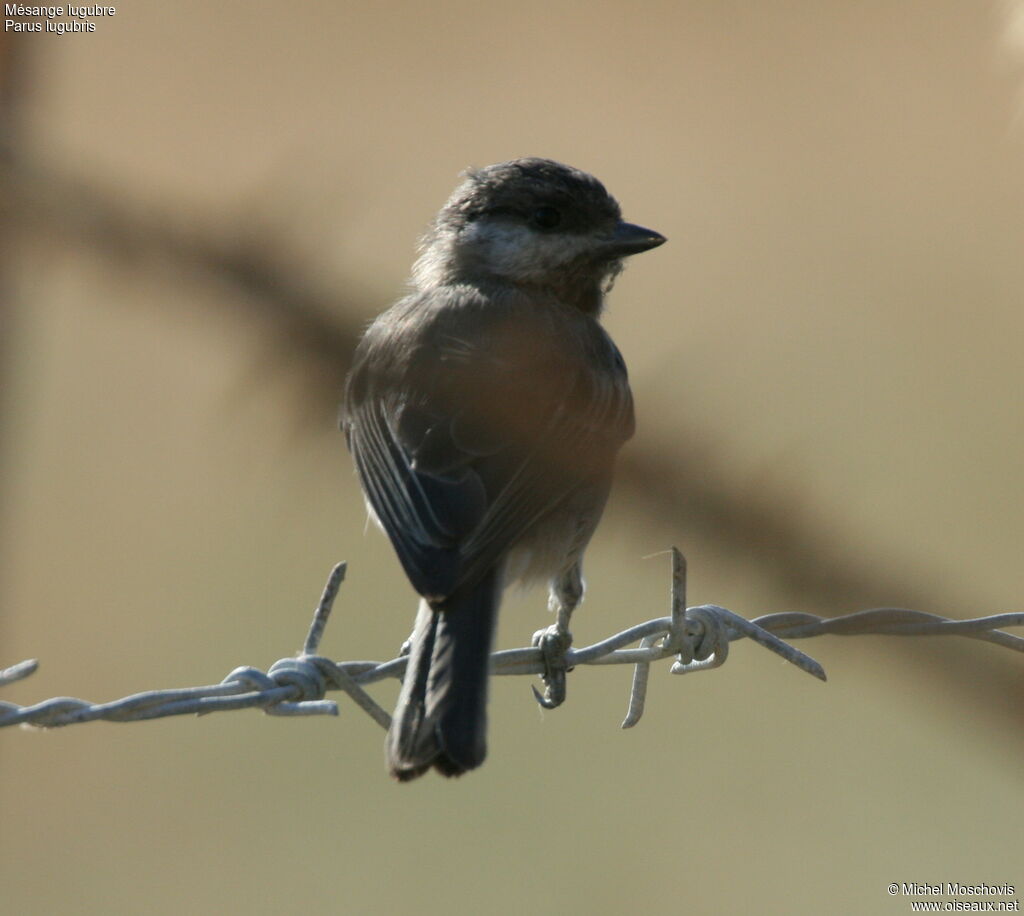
x: 534, y: 224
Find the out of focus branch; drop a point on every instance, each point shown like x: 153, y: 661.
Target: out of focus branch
x: 310, y: 323
x: 314, y: 324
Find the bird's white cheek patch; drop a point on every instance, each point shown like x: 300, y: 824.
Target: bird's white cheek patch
x: 520, y: 254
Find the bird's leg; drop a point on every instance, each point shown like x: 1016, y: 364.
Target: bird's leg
x: 554, y: 641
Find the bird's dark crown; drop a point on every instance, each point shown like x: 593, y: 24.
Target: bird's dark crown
x: 530, y: 189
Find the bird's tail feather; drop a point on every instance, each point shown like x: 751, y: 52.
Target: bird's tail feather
x: 441, y: 717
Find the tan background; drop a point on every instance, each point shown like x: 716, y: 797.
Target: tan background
x: 837, y: 319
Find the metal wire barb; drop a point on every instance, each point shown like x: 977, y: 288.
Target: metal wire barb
x: 697, y: 638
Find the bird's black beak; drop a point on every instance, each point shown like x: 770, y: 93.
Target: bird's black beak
x: 627, y: 239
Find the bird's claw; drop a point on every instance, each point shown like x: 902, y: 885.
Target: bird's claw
x: 553, y: 643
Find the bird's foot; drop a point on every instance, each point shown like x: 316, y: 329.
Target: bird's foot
x: 553, y: 642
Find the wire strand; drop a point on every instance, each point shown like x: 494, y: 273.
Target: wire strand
x: 697, y: 638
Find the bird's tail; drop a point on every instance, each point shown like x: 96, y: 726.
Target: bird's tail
x: 441, y: 717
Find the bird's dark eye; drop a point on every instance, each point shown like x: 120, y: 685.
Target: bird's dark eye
x: 546, y: 218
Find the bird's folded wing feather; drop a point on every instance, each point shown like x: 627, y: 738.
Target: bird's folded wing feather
x: 470, y: 438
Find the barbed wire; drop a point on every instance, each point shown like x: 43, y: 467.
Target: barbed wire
x: 697, y: 638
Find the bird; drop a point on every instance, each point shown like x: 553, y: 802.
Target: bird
x: 484, y: 412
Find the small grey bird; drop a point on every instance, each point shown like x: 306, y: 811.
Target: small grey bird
x: 484, y: 412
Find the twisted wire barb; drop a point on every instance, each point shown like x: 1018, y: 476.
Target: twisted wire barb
x: 697, y: 637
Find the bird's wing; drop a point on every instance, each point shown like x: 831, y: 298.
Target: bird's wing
x: 468, y: 432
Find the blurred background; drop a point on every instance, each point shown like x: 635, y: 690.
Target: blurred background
x: 203, y: 204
